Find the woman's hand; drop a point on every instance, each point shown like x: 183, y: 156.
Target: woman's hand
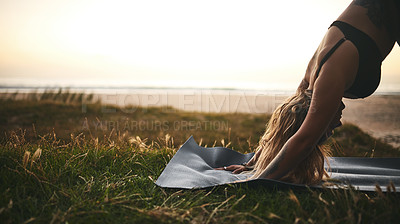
x: 236, y: 169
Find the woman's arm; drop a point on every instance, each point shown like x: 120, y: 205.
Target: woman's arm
x: 335, y: 77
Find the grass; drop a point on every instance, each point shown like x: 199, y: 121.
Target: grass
x: 60, y: 170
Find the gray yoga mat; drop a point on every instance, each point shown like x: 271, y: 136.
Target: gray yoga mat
x: 193, y: 167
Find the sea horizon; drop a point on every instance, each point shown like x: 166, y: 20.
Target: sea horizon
x: 103, y: 87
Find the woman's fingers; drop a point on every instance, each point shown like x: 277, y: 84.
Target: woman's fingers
x: 237, y: 171
x: 234, y: 168
x: 231, y: 167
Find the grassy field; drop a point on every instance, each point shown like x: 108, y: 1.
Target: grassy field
x: 64, y: 161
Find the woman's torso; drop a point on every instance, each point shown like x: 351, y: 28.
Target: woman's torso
x: 366, y: 19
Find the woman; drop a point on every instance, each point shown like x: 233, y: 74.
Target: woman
x: 347, y: 64
x: 283, y: 124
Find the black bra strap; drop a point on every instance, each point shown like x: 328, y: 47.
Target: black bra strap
x: 330, y: 52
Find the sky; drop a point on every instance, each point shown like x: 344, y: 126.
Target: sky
x: 204, y: 44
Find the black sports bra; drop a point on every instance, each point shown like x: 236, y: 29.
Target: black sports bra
x: 369, y: 64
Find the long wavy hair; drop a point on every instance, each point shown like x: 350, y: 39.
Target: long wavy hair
x: 283, y: 124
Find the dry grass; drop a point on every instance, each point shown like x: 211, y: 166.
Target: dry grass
x: 55, y: 171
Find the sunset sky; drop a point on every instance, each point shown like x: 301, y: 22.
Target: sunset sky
x: 208, y: 44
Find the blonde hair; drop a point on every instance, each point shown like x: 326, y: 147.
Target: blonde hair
x: 283, y: 124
